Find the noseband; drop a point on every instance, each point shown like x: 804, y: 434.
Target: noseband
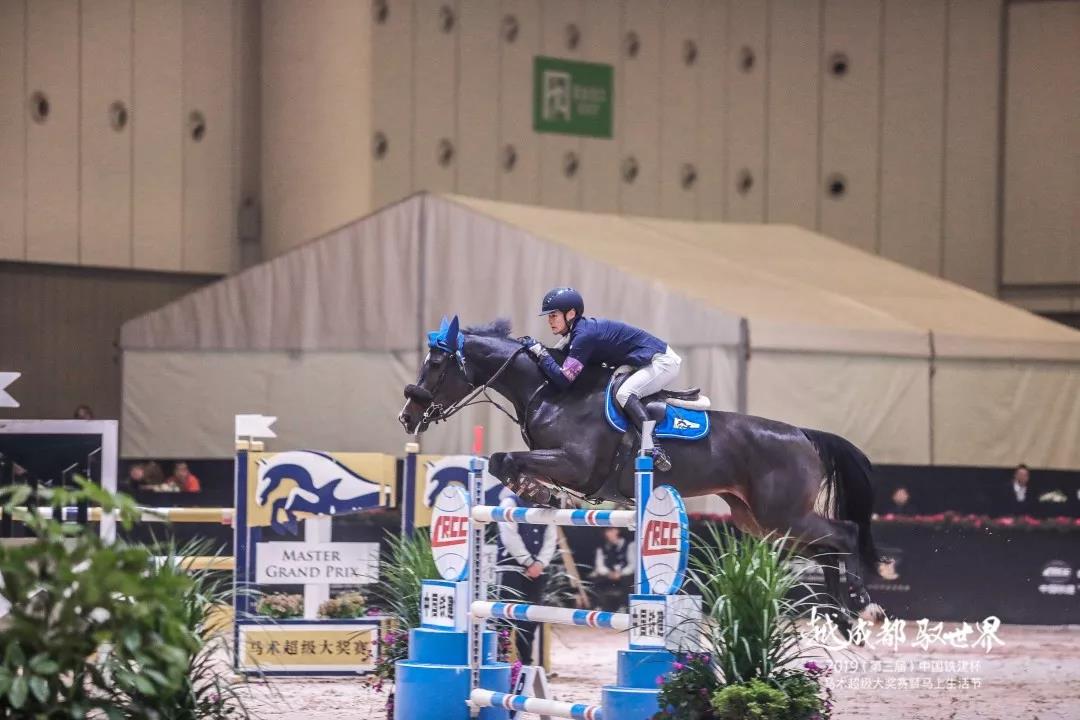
x: 433, y: 411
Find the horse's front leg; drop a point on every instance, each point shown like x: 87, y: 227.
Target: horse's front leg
x: 516, y: 469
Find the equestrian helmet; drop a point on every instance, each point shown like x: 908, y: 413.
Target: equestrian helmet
x: 564, y: 299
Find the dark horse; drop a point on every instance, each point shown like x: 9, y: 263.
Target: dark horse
x: 775, y: 477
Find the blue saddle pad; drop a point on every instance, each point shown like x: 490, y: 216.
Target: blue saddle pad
x: 679, y: 423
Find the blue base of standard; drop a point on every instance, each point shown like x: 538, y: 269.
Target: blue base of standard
x: 433, y: 684
x: 636, y: 692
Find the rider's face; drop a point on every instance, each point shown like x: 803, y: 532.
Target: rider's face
x: 558, y: 321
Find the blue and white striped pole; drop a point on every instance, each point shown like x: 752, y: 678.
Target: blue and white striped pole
x: 539, y: 706
x: 550, y: 614
x: 551, y: 516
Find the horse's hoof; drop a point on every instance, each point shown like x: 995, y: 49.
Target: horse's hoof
x: 872, y: 613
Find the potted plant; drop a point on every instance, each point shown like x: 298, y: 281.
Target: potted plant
x: 398, y: 595
x: 345, y: 606
x: 280, y: 606
x: 753, y: 664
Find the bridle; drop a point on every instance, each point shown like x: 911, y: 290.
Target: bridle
x: 435, y: 412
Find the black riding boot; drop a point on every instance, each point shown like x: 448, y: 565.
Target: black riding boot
x: 637, y: 414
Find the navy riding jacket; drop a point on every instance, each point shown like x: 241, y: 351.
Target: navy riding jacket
x: 595, y: 340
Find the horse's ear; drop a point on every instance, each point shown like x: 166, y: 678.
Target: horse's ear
x: 444, y: 325
x: 452, y: 334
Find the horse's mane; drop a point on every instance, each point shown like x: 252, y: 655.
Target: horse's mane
x: 498, y: 328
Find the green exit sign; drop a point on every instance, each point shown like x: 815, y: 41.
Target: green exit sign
x: 572, y: 98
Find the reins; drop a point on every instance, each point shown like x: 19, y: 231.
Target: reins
x: 436, y: 413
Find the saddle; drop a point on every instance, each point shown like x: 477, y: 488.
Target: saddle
x: 656, y: 404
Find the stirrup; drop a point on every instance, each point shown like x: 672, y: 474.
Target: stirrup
x: 661, y: 461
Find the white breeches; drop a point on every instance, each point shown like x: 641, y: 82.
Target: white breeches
x: 651, y: 378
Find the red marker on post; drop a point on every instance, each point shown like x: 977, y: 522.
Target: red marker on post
x: 478, y: 440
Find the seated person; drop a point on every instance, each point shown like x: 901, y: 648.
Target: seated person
x: 900, y: 503
x: 153, y: 479
x: 613, y: 571
x: 136, y: 476
x: 183, y: 479
x: 1013, y: 497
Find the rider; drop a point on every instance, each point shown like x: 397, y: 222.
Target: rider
x: 595, y: 340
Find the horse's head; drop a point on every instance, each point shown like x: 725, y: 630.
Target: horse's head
x: 442, y: 380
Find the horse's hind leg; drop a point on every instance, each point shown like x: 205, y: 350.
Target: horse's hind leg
x: 840, y: 541
x: 744, y: 519
x: 834, y: 589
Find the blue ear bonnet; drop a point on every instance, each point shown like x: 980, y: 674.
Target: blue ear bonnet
x: 436, y: 340
x: 447, y: 338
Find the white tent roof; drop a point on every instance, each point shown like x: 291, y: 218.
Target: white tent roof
x: 838, y: 338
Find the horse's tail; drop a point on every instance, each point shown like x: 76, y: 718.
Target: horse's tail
x: 849, y: 491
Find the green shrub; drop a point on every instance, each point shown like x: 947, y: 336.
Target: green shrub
x: 205, y: 691
x: 71, y: 596
x: 753, y: 700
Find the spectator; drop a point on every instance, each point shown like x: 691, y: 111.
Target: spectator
x: 184, y: 479
x: 525, y: 551
x: 136, y: 475
x: 1021, y: 481
x: 900, y: 503
x: 154, y: 479
x: 613, y: 571
x: 83, y: 412
x: 1023, y: 496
